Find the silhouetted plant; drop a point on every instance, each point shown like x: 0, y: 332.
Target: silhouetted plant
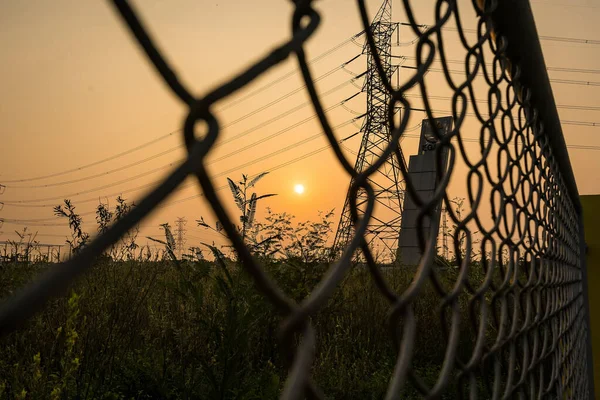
x: 271, y: 236
x: 79, y: 238
x: 145, y: 254
x: 194, y: 254
x: 125, y: 248
x: 103, y: 217
x: 460, y: 236
x: 169, y: 242
x: 245, y: 202
x: 310, y: 240
x: 21, y: 249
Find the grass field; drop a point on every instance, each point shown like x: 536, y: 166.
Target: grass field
x: 140, y: 330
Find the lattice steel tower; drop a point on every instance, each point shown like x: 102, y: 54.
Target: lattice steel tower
x: 180, y: 241
x: 387, y: 182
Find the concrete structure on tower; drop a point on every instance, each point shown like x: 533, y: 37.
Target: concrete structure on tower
x: 422, y: 171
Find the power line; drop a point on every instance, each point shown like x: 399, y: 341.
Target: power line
x: 248, y: 115
x: 210, y: 236
x: 578, y: 107
x: 285, y: 164
x: 145, y: 173
x: 549, y: 68
x: 565, y: 81
x: 574, y: 82
x: 563, y: 122
x: 21, y: 203
x: 262, y: 88
x: 113, y: 157
x: 541, y: 37
x: 218, y: 189
x: 222, y: 173
x: 225, y: 106
x: 563, y: 4
x: 289, y: 74
x: 181, y: 146
x: 275, y: 168
x: 573, y: 122
x: 563, y: 106
x: 577, y: 70
x: 141, y: 228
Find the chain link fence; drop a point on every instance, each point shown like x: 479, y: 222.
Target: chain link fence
x: 529, y: 308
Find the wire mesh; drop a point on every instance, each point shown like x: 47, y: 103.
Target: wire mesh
x: 528, y: 308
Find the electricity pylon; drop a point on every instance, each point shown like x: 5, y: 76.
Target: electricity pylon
x: 180, y: 241
x: 376, y: 135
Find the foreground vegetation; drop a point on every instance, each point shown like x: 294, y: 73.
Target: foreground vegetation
x: 200, y: 330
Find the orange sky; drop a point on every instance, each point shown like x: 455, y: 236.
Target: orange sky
x: 76, y: 89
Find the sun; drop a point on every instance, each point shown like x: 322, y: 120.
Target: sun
x: 298, y: 188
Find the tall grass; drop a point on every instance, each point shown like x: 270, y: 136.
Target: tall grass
x: 200, y: 330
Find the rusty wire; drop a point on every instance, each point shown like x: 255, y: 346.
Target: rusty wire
x: 531, y: 293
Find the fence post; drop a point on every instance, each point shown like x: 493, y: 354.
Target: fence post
x: 586, y: 305
x: 513, y: 19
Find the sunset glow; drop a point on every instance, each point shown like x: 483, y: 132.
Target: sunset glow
x: 299, y: 189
